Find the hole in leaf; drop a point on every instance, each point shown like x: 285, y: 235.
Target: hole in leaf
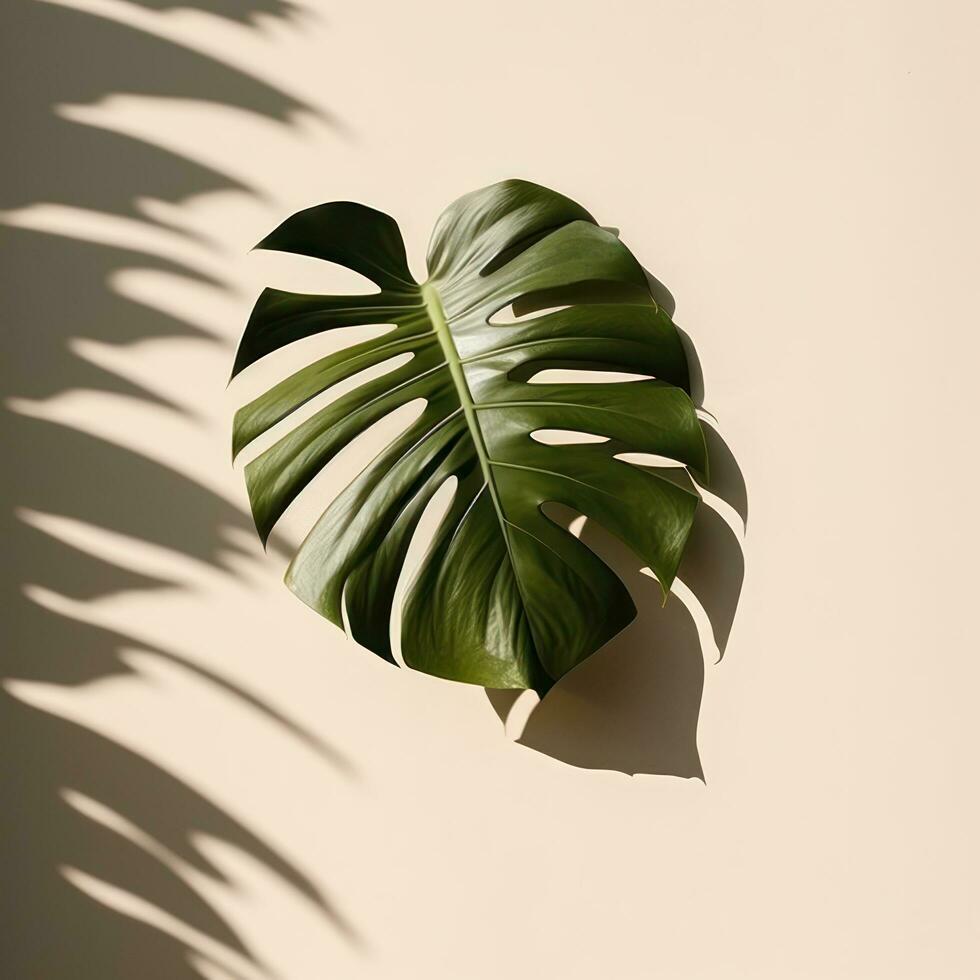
x: 649, y: 459
x: 304, y: 274
x: 507, y: 317
x: 550, y: 376
x: 583, y: 293
x: 565, y: 517
x: 546, y: 301
x: 565, y: 437
x: 431, y: 517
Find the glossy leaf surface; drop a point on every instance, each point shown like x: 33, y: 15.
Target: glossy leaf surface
x: 505, y: 597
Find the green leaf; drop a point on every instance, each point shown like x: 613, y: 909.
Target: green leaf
x: 505, y: 597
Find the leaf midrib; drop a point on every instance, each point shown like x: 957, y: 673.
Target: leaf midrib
x: 440, y: 325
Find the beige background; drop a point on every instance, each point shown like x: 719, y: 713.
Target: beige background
x: 209, y: 781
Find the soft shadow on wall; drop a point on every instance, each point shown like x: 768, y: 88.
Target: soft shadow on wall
x: 634, y: 706
x: 81, y: 807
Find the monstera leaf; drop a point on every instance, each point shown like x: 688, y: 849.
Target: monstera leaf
x: 505, y: 597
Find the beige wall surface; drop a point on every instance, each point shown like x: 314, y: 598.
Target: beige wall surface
x: 205, y: 780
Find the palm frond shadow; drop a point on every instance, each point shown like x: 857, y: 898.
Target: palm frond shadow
x: 241, y: 10
x: 634, y: 706
x: 57, y: 56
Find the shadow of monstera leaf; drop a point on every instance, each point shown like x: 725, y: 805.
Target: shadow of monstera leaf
x: 634, y: 705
